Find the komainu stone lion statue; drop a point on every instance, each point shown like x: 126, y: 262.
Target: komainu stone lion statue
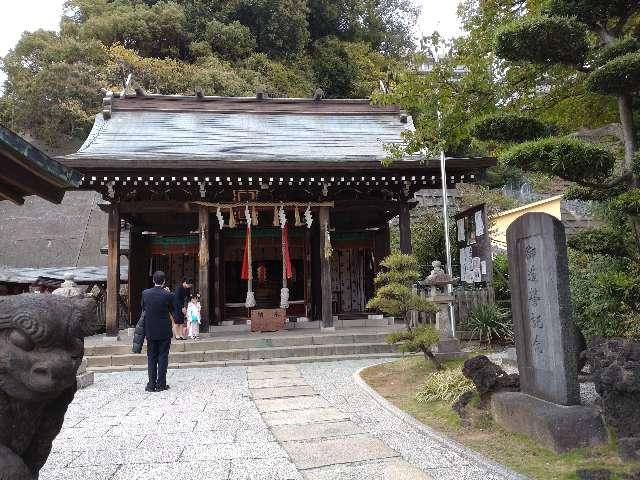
x: 41, y: 347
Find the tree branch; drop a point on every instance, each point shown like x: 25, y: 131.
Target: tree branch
x: 605, y: 186
x: 614, y: 129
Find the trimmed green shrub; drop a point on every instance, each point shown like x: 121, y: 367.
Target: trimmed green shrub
x: 627, y: 202
x: 605, y: 295
x: 421, y: 339
x: 567, y: 158
x: 509, y: 128
x: 394, y: 295
x: 604, y: 241
x: 617, y: 49
x: 545, y: 40
x: 490, y: 323
x: 620, y: 75
x: 444, y: 386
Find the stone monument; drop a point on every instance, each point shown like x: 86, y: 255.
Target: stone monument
x: 438, y: 280
x: 547, y: 407
x: 41, y: 340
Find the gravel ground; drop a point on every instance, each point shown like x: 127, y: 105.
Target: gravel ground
x: 427, y: 450
x: 211, y: 426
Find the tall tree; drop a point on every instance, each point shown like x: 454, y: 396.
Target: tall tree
x: 596, y: 40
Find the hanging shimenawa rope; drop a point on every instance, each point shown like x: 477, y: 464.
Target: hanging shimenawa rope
x: 286, y: 260
x: 247, y: 270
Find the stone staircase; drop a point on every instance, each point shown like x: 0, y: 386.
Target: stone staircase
x: 249, y: 349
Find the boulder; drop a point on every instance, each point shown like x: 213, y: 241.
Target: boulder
x: 615, y: 367
x: 489, y: 377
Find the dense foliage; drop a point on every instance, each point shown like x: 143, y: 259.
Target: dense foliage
x: 490, y: 323
x: 509, y: 127
x: 288, y: 48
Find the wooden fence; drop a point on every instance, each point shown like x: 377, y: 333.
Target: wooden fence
x: 123, y: 310
x: 465, y: 302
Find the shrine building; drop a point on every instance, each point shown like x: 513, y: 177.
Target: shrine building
x: 252, y: 196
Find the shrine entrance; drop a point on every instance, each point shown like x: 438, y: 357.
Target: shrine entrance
x: 266, y: 250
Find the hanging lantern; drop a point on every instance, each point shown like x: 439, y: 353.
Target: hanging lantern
x: 254, y: 216
x: 275, y: 216
x: 220, y: 218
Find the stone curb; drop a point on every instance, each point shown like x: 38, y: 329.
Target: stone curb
x: 493, y: 467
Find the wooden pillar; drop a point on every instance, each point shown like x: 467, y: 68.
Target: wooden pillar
x: 316, y: 278
x: 218, y: 297
x: 203, y: 268
x: 405, y: 228
x: 325, y: 271
x: 381, y: 246
x: 138, y: 272
x: 113, y: 270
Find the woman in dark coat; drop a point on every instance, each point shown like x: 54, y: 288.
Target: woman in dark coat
x: 180, y: 307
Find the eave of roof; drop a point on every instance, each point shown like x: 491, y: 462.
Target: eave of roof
x: 28, y: 171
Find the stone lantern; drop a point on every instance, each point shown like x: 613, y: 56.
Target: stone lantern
x: 438, y: 281
x: 68, y: 288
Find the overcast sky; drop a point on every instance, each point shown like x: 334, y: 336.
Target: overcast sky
x: 27, y: 15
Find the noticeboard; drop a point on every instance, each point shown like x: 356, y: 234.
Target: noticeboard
x: 474, y: 246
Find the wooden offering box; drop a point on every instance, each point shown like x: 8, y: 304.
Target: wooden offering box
x: 268, y: 320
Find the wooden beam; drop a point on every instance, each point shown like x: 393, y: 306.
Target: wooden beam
x: 9, y: 193
x: 203, y: 268
x: 325, y: 271
x: 113, y: 270
x: 149, y: 206
x: 31, y: 184
x: 405, y: 228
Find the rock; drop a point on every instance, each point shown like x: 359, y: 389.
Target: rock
x: 489, y: 377
x: 460, y: 406
x: 593, y: 474
x: 629, y: 449
x: 633, y: 475
x: 557, y: 427
x: 615, y: 367
x: 45, y: 332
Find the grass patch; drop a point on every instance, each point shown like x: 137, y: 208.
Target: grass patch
x: 399, y: 381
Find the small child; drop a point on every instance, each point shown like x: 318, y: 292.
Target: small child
x: 193, y: 317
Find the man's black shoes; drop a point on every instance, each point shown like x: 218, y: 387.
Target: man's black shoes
x: 163, y: 388
x: 150, y: 388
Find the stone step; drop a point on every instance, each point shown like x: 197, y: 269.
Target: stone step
x: 243, y: 363
x: 208, y: 344
x: 244, y: 354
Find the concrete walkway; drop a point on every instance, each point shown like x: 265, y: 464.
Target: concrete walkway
x: 272, y: 422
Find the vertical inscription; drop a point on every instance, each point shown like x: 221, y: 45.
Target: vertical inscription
x: 533, y: 301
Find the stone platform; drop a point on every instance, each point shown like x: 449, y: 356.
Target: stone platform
x: 557, y: 427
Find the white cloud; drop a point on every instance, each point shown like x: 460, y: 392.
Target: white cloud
x: 19, y: 16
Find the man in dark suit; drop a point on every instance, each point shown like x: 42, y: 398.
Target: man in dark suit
x: 157, y: 302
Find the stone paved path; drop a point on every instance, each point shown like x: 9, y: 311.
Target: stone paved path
x: 288, y: 422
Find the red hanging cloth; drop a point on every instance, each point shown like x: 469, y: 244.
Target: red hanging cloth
x: 286, y: 259
x: 246, y: 267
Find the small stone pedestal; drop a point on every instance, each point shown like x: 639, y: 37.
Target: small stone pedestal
x: 557, y: 427
x: 84, y: 378
x: 438, y: 280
